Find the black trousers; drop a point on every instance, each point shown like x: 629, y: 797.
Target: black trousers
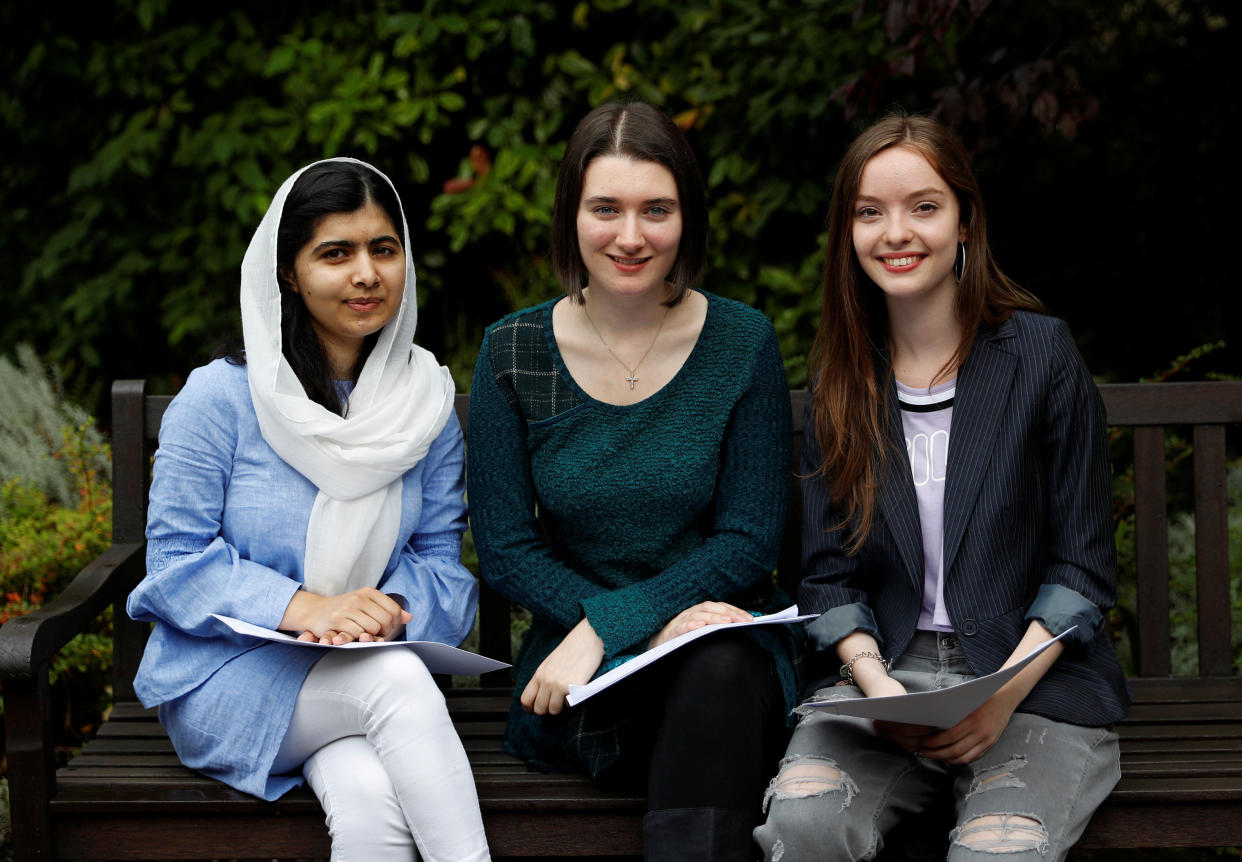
x: 702, y: 728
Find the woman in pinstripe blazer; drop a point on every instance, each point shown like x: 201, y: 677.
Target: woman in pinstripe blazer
x: 957, y: 513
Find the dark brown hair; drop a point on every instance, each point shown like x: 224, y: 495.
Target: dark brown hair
x: 849, y: 362
x: 633, y: 131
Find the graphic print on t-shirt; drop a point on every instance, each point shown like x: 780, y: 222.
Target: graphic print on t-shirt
x: 926, y: 416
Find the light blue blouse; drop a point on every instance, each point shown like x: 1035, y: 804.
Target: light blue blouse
x: 226, y: 531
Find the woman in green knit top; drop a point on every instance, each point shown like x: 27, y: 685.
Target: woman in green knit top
x: 628, y: 474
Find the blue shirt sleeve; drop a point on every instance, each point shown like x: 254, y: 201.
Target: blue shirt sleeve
x: 192, y: 572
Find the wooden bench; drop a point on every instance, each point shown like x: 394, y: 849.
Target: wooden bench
x: 126, y: 796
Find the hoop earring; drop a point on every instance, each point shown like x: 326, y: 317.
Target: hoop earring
x: 959, y: 265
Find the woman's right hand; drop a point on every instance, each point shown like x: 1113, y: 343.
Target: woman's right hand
x: 361, y: 615
x: 573, y: 662
x: 908, y: 736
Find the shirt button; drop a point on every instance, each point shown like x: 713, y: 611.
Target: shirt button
x: 969, y: 628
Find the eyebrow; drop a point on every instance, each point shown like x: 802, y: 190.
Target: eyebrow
x: 605, y: 199
x: 930, y: 191
x: 348, y: 243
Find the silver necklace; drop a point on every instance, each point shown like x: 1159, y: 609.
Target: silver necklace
x: 633, y: 372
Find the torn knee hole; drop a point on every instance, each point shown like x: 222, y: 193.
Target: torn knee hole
x: 806, y: 776
x: 986, y: 782
x: 1002, y: 833
x: 807, y: 780
x: 997, y: 777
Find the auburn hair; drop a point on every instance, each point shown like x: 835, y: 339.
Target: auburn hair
x: 850, y: 369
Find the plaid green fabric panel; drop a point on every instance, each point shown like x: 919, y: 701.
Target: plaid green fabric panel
x: 525, y: 370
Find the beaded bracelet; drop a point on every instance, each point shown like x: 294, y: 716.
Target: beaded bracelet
x: 847, y: 669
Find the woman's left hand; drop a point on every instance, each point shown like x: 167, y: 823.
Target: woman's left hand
x: 573, y: 662
x: 971, y: 737
x: 697, y: 616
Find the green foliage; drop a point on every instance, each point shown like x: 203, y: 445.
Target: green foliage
x: 128, y: 215
x: 43, y: 544
x: 44, y: 539
x: 33, y: 413
x: 6, y: 821
x: 1182, y: 363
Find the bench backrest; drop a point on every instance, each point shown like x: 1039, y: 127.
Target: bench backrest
x: 1147, y: 408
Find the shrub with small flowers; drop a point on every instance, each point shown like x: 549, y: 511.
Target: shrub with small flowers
x: 44, y: 544
x: 55, y: 517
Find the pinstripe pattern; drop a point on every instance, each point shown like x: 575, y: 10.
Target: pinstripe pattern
x: 1027, y: 503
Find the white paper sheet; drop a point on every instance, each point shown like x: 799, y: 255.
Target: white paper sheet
x: 579, y: 693
x: 438, y: 657
x: 943, y: 708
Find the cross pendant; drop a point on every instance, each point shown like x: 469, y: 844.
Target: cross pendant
x: 632, y: 380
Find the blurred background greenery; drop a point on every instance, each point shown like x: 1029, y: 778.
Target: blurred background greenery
x: 141, y: 141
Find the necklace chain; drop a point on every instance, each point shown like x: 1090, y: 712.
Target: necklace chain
x: 633, y: 372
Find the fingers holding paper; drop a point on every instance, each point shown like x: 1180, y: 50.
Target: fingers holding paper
x: 962, y: 743
x: 971, y: 737
x: 697, y: 616
x: 359, y: 615
x: 909, y: 737
x: 573, y: 662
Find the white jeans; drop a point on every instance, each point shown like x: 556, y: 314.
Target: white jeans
x: 375, y: 742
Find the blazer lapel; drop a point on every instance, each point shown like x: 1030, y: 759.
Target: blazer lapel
x: 982, y: 391
x: 901, y: 509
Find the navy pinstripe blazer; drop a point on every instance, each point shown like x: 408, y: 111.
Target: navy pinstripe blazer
x: 1028, y: 530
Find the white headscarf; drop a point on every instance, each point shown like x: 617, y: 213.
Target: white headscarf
x: 398, y: 406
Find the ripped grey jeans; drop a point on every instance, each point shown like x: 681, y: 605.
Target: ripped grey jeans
x: 841, y: 787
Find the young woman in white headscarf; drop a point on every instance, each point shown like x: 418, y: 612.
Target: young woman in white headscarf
x: 312, y: 482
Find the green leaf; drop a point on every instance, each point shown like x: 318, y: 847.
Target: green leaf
x: 280, y: 60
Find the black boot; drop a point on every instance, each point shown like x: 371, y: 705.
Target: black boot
x: 699, y: 835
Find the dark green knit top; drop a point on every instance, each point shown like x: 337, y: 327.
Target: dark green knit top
x: 646, y: 508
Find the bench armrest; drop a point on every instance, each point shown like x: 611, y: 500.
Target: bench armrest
x: 28, y: 643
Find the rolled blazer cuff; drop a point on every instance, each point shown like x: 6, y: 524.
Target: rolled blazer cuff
x: 833, y: 625
x: 1058, y: 608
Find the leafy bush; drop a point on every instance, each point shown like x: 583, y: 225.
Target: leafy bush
x: 129, y: 215
x: 46, y: 537
x: 45, y: 544
x: 33, y: 414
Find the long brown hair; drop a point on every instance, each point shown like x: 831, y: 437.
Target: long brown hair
x: 849, y: 363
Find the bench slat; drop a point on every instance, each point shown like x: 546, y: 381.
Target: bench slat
x: 1140, y: 404
x: 1212, y: 552
x: 1151, y: 552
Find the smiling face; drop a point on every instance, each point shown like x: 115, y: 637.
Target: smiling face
x: 906, y: 227
x: 351, y: 275
x: 629, y: 224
